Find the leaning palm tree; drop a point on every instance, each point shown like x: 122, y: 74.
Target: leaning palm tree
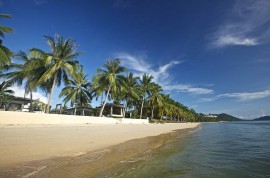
x: 5, y: 92
x: 109, y: 78
x: 5, y: 53
x: 60, y: 62
x: 146, y: 84
x: 77, y: 91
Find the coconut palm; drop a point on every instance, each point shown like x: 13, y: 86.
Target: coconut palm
x: 77, y: 91
x: 130, y: 90
x: 28, y: 78
x: 146, y: 84
x: 5, y: 92
x: 155, y: 97
x: 5, y: 53
x: 60, y: 62
x: 108, y: 79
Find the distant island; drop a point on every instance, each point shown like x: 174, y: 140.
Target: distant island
x: 264, y: 118
x: 216, y: 118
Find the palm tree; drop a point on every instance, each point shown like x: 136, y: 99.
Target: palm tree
x: 77, y: 91
x: 5, y: 53
x: 108, y: 79
x: 155, y: 97
x: 146, y: 83
x: 20, y: 75
x: 130, y: 90
x: 60, y: 62
x: 5, y: 92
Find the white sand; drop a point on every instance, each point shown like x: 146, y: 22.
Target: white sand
x: 28, y: 136
x: 24, y: 143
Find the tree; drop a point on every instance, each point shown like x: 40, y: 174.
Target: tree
x: 5, y: 53
x: 20, y: 75
x: 155, y: 97
x: 77, y: 91
x: 108, y: 79
x: 130, y: 90
x: 5, y: 92
x: 60, y: 62
x: 146, y: 83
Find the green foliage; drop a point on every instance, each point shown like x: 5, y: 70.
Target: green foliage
x: 108, y: 79
x: 60, y: 62
x: 5, y: 93
x: 39, y: 106
x: 5, y: 53
x: 77, y: 91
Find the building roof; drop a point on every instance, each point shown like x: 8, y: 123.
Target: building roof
x: 112, y: 105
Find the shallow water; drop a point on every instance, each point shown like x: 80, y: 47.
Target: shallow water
x: 231, y: 149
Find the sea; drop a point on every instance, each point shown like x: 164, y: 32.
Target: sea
x: 212, y: 150
x: 219, y: 150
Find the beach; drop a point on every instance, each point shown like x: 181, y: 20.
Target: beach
x: 31, y: 142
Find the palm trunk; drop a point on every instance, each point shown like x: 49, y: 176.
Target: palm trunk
x: 75, y: 109
x: 51, y: 93
x: 31, y: 101
x: 103, y: 106
x: 126, y: 102
x: 152, y: 112
x: 142, y: 108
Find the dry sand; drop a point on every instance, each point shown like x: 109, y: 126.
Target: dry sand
x: 19, y: 144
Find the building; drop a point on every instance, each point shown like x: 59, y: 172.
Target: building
x: 113, y: 110
x: 16, y: 104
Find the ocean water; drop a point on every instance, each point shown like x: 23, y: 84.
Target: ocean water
x: 218, y: 150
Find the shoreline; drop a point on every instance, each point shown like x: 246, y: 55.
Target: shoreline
x: 28, y: 143
x: 104, y: 156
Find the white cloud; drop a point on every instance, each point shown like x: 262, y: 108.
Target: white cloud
x: 161, y: 74
x: 247, y: 95
x: 19, y: 91
x: 188, y: 89
x: 231, y: 40
x: 246, y: 25
x: 243, y: 96
x: 139, y: 65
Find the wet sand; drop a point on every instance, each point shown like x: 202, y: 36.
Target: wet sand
x: 30, y: 150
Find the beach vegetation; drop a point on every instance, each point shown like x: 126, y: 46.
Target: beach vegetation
x: 5, y: 53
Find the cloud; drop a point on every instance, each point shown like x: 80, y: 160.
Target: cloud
x: 247, y: 25
x: 247, y: 96
x: 161, y: 74
x: 243, y: 96
x: 188, y: 89
x: 231, y: 40
x: 19, y: 91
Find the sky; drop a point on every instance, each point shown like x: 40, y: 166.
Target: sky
x: 211, y: 55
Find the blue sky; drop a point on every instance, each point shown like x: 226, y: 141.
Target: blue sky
x: 210, y: 55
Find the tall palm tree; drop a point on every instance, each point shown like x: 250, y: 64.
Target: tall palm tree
x: 155, y: 97
x: 77, y: 91
x: 60, y: 62
x: 146, y: 84
x: 130, y: 90
x: 5, y: 53
x: 109, y: 78
x: 5, y: 92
